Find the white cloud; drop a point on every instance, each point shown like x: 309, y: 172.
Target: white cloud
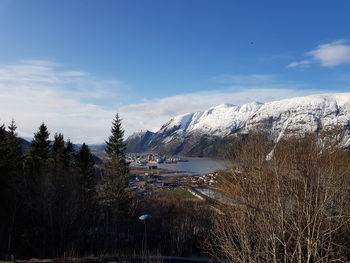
x: 333, y: 54
x: 151, y: 114
x: 327, y: 55
x: 302, y: 64
x: 33, y: 92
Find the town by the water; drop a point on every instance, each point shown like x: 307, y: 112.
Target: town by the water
x: 147, y: 178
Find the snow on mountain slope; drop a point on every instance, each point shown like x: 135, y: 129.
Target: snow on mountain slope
x: 301, y: 115
x: 186, y: 133
x: 220, y: 120
x: 223, y: 119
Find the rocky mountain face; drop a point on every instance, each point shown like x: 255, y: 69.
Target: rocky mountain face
x: 139, y: 141
x: 195, y: 133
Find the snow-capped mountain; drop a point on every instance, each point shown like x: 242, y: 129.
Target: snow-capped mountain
x: 193, y: 133
x: 304, y: 114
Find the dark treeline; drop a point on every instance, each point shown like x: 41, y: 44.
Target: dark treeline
x: 52, y: 204
x: 48, y: 194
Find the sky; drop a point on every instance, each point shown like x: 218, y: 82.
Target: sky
x: 74, y: 64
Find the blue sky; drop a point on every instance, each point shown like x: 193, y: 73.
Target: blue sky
x: 75, y: 63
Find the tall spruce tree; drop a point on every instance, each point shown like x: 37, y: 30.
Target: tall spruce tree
x: 40, y: 147
x: 40, y: 190
x: 115, y: 146
x: 116, y: 169
x: 69, y: 155
x: 57, y: 160
x: 38, y: 153
x: 115, y: 199
x: 14, y: 187
x: 10, y: 153
x: 115, y: 150
x: 14, y: 150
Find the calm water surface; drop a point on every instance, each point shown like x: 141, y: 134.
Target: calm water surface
x: 197, y: 165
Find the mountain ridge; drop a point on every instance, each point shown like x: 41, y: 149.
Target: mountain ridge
x: 189, y: 134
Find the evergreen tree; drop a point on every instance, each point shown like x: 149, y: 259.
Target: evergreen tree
x: 39, y: 191
x: 116, y: 169
x: 58, y: 154
x: 58, y: 143
x: 2, y: 132
x: 40, y: 147
x: 12, y: 128
x: 115, y: 147
x: 37, y: 155
x: 64, y: 193
x: 85, y: 166
x: 14, y: 150
x: 10, y: 183
x: 10, y: 153
x: 115, y: 199
x: 69, y: 155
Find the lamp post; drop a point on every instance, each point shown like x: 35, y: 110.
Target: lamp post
x: 144, y: 218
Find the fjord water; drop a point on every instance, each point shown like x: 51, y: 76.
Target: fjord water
x: 197, y: 165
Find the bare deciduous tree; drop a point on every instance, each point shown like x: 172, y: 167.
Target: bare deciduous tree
x: 293, y: 208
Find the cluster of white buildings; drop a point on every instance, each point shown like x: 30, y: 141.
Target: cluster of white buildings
x: 208, y: 179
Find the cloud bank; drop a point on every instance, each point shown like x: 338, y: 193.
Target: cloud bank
x: 327, y: 55
x: 33, y: 92
x: 74, y: 102
x: 238, y: 90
